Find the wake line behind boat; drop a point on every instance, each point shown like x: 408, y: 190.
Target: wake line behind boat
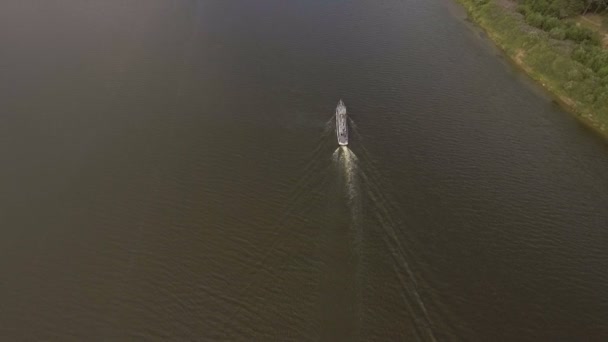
x: 341, y: 124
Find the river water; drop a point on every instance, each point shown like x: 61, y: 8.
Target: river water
x: 170, y: 172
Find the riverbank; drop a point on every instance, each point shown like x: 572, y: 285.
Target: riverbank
x: 549, y: 61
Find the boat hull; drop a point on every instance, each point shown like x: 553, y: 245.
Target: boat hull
x: 341, y: 124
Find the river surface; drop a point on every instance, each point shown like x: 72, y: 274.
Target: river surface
x: 170, y: 171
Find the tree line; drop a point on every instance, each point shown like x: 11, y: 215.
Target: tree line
x: 566, y: 8
x: 552, y: 16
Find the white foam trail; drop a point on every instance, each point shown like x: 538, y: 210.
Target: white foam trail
x: 369, y: 184
x: 381, y: 209
x: 346, y: 163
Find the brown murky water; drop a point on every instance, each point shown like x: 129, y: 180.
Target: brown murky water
x: 170, y: 172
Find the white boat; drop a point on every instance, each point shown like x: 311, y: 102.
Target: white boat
x: 341, y: 124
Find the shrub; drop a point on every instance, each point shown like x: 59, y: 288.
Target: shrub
x: 566, y: 8
x: 593, y: 57
x: 523, y: 9
x: 535, y: 19
x: 599, y: 60
x: 603, y: 72
x: 580, y: 54
x: 540, y: 6
x: 582, y: 35
x: 549, y: 23
x: 575, y: 74
x: 601, y: 95
x: 558, y: 33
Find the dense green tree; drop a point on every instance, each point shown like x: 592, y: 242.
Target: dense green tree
x: 566, y: 8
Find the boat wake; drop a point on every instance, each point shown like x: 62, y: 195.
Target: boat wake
x: 359, y: 210
x: 347, y: 163
x: 366, y: 181
x: 367, y: 200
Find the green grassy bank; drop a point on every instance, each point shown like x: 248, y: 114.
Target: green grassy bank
x: 555, y: 63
